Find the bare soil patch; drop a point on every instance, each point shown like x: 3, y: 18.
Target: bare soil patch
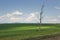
x: 47, y: 37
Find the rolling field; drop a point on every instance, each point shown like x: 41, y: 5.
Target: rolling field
x: 21, y: 31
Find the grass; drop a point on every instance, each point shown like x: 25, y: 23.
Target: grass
x: 20, y: 31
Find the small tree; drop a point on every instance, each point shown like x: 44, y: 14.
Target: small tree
x: 41, y: 13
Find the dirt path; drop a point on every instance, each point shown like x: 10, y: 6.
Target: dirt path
x: 53, y: 38
x: 48, y: 37
x: 57, y: 37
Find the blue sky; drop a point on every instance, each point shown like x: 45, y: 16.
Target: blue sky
x: 27, y: 11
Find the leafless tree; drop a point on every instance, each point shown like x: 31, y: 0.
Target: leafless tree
x: 41, y: 13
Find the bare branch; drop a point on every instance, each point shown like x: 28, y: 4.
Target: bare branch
x: 41, y: 13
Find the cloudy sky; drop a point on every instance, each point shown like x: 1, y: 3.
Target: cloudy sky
x: 27, y: 11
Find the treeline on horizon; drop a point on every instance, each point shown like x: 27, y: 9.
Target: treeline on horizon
x: 24, y: 24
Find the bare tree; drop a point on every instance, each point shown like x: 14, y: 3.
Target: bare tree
x: 41, y: 13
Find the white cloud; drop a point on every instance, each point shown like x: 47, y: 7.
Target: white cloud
x: 57, y: 7
x: 15, y: 19
x: 11, y: 17
x: 59, y: 16
x: 19, y: 17
x: 30, y: 17
x: 17, y: 13
x: 8, y: 15
x: 50, y: 19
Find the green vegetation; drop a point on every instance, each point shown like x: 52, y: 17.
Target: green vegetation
x: 20, y: 31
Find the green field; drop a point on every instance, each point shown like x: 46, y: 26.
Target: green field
x: 21, y: 31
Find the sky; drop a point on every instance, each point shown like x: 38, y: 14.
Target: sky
x: 27, y: 11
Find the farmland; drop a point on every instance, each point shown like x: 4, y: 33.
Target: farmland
x: 21, y: 31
